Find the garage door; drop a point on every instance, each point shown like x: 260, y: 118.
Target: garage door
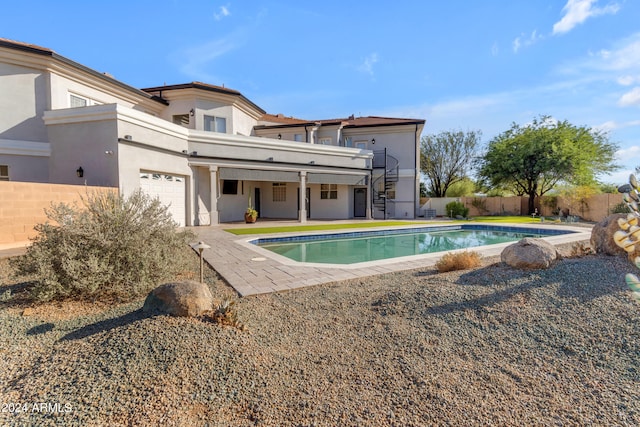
x: 170, y: 189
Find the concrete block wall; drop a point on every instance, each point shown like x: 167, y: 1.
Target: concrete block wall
x: 22, y: 206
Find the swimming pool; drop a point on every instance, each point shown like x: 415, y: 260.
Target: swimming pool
x: 363, y: 246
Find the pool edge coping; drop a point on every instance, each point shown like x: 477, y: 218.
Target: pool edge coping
x: 576, y: 234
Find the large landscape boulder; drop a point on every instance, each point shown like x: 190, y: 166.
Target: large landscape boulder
x: 529, y: 254
x: 186, y: 299
x: 602, y: 235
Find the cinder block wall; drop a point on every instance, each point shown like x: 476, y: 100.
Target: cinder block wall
x: 22, y: 206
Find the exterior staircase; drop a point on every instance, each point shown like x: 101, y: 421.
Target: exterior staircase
x: 385, y: 175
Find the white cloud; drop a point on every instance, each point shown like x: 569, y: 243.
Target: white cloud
x: 578, y: 11
x: 629, y: 152
x: 368, y: 63
x: 630, y: 98
x: 516, y: 45
x: 627, y: 80
x: 523, y: 41
x: 494, y: 49
x: 223, y: 12
x: 195, y: 61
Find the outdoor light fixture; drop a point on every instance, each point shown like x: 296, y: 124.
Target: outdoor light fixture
x: 373, y: 141
x: 192, y: 112
x: 279, y: 136
x: 80, y: 172
x: 200, y: 247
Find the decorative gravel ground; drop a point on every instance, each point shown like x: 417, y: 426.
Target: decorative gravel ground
x: 490, y: 346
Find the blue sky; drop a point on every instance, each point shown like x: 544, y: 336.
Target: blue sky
x: 459, y: 64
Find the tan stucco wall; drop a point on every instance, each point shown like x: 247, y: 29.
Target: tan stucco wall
x: 594, y: 208
x: 22, y: 206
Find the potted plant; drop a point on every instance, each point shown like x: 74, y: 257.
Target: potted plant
x: 250, y: 215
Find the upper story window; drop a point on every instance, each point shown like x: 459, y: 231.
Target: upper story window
x: 76, y: 101
x: 181, y: 119
x: 4, y: 173
x: 215, y: 124
x: 325, y: 141
x: 361, y: 145
x: 297, y: 137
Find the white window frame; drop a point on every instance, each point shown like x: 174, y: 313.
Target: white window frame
x: 361, y: 145
x: 216, y: 122
x: 297, y: 137
x: 279, y: 190
x: 328, y: 191
x: 326, y: 140
x: 88, y: 101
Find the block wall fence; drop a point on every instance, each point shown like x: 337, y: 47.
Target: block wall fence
x: 22, y: 206
x: 594, y: 208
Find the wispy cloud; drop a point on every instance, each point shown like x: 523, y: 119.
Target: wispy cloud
x: 367, y: 65
x: 495, y: 49
x: 196, y: 61
x: 630, y: 98
x: 578, y: 11
x: 525, y: 41
x: 223, y: 12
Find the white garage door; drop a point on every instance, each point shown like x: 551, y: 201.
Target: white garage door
x: 170, y: 189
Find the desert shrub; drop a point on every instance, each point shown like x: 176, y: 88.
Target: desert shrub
x: 112, y: 247
x: 620, y: 208
x: 455, y: 209
x: 458, y: 261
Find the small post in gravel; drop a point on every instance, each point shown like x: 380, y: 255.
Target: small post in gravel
x: 201, y: 246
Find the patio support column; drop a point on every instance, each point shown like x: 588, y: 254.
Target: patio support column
x: 302, y: 211
x: 213, y: 179
x: 369, y: 201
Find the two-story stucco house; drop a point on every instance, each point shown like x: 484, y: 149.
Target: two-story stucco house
x: 202, y: 149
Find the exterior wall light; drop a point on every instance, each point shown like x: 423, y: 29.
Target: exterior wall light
x: 192, y: 112
x: 373, y: 141
x: 80, y: 172
x: 279, y: 136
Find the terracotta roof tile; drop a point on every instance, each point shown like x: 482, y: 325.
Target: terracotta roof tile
x: 281, y: 119
x: 15, y: 43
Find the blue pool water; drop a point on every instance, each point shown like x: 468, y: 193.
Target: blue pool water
x: 350, y: 248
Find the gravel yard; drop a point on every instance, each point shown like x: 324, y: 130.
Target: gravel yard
x: 490, y: 346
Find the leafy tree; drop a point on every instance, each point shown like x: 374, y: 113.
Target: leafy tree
x: 464, y: 187
x: 536, y: 157
x: 423, y: 189
x: 446, y: 157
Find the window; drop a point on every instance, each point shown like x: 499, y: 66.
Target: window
x: 361, y: 145
x: 230, y: 186
x: 328, y: 191
x: 297, y: 137
x: 348, y: 142
x: 4, y: 173
x: 325, y: 141
x: 181, y: 119
x: 76, y: 101
x: 279, y: 191
x: 215, y: 124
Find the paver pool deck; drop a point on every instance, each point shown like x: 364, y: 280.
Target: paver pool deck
x: 252, y: 270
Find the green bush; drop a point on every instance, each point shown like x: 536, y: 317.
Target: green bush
x: 113, y: 248
x: 455, y: 209
x: 620, y: 208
